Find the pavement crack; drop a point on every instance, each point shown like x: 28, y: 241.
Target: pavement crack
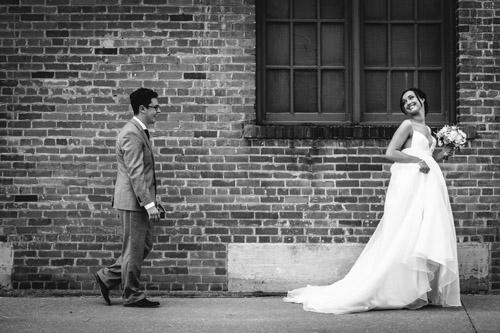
x: 470, y: 319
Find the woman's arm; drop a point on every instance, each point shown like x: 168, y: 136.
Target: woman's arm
x: 446, y: 151
x: 398, y: 140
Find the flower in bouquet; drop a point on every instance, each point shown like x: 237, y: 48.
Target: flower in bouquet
x: 451, y: 136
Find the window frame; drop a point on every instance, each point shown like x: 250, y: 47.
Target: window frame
x: 354, y: 75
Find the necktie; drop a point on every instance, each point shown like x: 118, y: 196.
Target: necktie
x: 147, y: 133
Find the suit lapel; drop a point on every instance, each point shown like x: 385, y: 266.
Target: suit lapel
x: 144, y: 136
x: 148, y: 143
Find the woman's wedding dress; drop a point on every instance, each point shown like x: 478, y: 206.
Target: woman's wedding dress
x: 411, y: 259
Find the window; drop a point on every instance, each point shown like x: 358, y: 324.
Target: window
x: 347, y: 61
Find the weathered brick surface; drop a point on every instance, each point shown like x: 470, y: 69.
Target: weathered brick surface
x: 67, y: 70
x: 475, y: 179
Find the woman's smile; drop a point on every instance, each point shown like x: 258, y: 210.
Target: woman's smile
x: 411, y: 105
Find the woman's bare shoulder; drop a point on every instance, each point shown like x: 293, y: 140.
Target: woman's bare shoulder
x: 406, y: 126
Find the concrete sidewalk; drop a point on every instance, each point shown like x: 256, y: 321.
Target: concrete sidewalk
x: 254, y: 314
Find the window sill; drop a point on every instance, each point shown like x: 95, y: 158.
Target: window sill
x: 360, y: 132
x: 251, y: 131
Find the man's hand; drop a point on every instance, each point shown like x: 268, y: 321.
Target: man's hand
x: 154, y: 214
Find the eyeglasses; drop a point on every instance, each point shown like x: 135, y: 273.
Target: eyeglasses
x: 156, y: 107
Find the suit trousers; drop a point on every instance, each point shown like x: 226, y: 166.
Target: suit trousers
x: 137, y: 244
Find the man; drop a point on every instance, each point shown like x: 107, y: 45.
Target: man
x: 134, y: 198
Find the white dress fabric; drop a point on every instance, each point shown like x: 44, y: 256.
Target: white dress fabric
x: 411, y: 259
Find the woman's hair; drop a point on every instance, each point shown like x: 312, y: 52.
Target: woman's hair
x: 420, y: 95
x: 141, y: 96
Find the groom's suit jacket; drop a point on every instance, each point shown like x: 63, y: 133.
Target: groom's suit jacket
x: 135, y: 181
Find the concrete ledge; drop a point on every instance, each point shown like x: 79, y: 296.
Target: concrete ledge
x: 6, y: 263
x: 282, y: 267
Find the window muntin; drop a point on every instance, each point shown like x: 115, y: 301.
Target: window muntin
x: 305, y: 60
x: 322, y: 64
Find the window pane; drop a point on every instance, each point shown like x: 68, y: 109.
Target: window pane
x: 375, y: 9
x: 430, y: 83
x: 305, y: 90
x: 375, y: 92
x: 278, y: 91
x: 400, y: 81
x: 402, y: 45
x: 304, y: 8
x: 278, y: 44
x: 332, y: 9
x: 332, y: 44
x: 402, y: 10
x: 304, y: 46
x: 429, y: 9
x: 429, y: 45
x: 332, y: 92
x: 312, y: 66
x: 277, y: 9
x: 375, y: 45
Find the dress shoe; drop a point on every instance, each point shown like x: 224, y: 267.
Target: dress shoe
x: 143, y: 303
x: 104, y: 289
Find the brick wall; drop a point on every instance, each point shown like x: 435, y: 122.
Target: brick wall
x: 475, y: 178
x: 67, y: 69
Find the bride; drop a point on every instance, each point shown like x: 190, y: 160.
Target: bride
x: 411, y: 259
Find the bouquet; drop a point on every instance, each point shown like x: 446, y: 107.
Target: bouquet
x: 452, y: 137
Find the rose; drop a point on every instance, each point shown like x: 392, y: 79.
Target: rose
x: 450, y: 137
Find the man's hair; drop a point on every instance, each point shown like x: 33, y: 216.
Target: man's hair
x: 420, y: 95
x: 141, y: 96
